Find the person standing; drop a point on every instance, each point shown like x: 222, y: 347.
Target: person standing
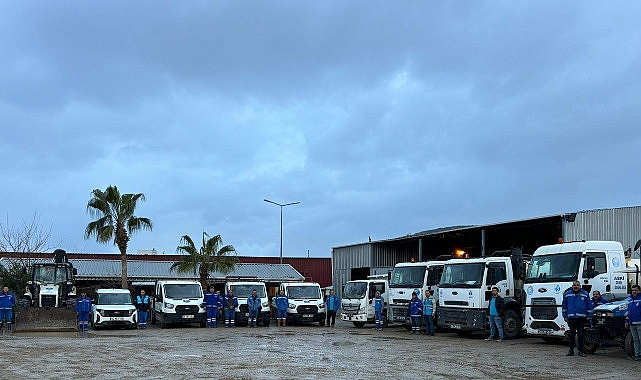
x: 415, y: 312
x: 429, y: 312
x: 333, y: 304
x: 633, y: 319
x: 7, y: 300
x: 231, y: 303
x: 597, y: 300
x: 576, y: 310
x: 83, y: 308
x: 497, y: 304
x: 379, y: 304
x: 211, y: 306
x: 221, y: 309
x: 253, y: 304
x: 142, y: 305
x: 282, y: 302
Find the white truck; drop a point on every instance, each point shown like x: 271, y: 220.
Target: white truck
x: 597, y: 265
x: 358, y: 300
x: 178, y: 302
x: 306, y: 303
x: 243, y: 290
x: 466, y: 289
x: 407, y: 278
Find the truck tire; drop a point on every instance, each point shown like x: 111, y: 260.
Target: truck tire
x: 163, y: 325
x: 266, y: 321
x: 359, y: 324
x: 590, y: 347
x: 511, y: 324
x: 628, y: 344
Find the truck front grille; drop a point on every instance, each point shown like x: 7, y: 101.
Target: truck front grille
x: 544, y: 308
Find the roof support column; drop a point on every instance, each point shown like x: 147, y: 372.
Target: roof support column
x: 420, y: 249
x: 483, y: 242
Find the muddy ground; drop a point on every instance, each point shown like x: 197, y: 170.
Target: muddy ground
x: 342, y: 352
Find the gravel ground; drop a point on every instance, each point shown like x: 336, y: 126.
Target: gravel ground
x: 342, y: 352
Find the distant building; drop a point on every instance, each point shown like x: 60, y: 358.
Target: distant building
x: 357, y: 261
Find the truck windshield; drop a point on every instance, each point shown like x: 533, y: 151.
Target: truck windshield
x: 178, y: 291
x: 355, y: 290
x: 408, y: 277
x: 245, y: 290
x: 554, y: 268
x: 113, y: 299
x: 466, y: 275
x: 303, y: 292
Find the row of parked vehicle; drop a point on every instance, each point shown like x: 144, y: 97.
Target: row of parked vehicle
x: 181, y: 302
x: 532, y: 287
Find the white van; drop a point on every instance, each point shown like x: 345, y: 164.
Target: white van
x: 178, y: 302
x: 113, y: 307
x: 306, y: 303
x: 243, y: 290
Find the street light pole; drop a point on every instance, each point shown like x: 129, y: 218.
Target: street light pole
x: 281, y: 223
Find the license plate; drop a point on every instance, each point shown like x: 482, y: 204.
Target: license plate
x: 545, y: 331
x: 458, y: 327
x: 188, y: 317
x: 308, y: 315
x: 117, y: 319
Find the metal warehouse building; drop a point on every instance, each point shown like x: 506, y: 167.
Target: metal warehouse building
x: 357, y: 261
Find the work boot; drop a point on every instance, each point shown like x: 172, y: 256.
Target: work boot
x: 570, y: 353
x: 581, y: 354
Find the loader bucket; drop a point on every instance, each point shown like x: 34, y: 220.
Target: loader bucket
x: 58, y: 319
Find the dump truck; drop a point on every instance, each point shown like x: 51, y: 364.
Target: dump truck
x: 49, y: 301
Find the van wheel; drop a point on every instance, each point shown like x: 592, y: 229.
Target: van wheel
x: 163, y: 325
x: 359, y: 324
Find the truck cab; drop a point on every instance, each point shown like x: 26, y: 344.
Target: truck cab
x: 407, y: 278
x: 358, y: 300
x: 243, y: 290
x: 465, y: 291
x: 597, y: 265
x: 306, y: 303
x: 178, y: 302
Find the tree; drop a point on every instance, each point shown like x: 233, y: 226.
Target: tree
x: 211, y: 257
x: 116, y: 220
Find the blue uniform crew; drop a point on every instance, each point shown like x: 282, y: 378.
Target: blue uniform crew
x: 231, y: 303
x: 253, y: 304
x: 378, y: 310
x: 416, y: 313
x: 576, y: 309
x: 211, y: 305
x: 83, y: 308
x: 142, y: 305
x: 7, y: 300
x: 282, y: 302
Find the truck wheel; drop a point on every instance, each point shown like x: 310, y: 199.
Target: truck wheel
x: 163, y: 325
x: 203, y: 324
x: 628, y: 344
x: 266, y: 321
x: 511, y: 324
x: 359, y: 324
x: 153, y: 318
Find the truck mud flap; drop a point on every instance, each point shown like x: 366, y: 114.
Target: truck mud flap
x: 45, y: 319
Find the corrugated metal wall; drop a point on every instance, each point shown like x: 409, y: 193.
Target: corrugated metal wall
x: 346, y: 258
x: 619, y: 224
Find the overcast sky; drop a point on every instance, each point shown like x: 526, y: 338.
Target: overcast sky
x: 380, y: 118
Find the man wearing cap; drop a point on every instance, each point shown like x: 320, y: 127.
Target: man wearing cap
x: 83, y: 308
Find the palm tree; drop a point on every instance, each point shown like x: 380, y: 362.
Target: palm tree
x: 211, y: 257
x: 116, y: 220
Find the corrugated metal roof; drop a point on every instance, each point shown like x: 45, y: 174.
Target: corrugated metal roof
x: 139, y: 270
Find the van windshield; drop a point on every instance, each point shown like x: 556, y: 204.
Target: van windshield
x: 245, y: 290
x: 113, y: 299
x: 303, y: 292
x: 178, y: 291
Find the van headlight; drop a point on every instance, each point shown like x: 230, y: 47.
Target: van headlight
x: 321, y: 305
x: 131, y: 312
x: 292, y: 306
x: 169, y: 305
x: 264, y: 305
